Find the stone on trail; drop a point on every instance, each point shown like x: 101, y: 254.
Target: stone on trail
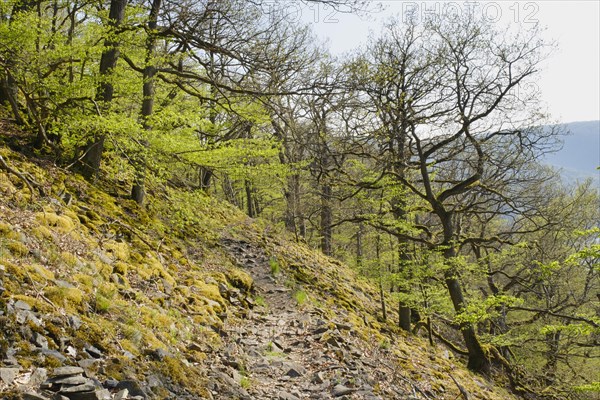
x: 67, y: 371
x: 341, y: 390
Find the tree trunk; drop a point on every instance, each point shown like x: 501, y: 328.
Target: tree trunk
x: 404, y: 316
x: 138, y: 191
x: 478, y: 361
x: 205, y: 178
x: 359, y: 246
x: 552, y: 342
x: 380, y: 272
x: 404, y: 258
x: 9, y: 94
x: 498, y: 325
x: 9, y: 89
x: 250, y: 203
x: 382, y: 300
x: 229, y: 191
x: 326, y: 219
x: 92, y: 156
x: 293, y: 216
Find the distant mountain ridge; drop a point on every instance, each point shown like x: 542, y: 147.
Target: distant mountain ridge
x: 579, y: 157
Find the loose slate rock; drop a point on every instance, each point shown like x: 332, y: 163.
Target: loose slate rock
x: 39, y: 340
x: 84, y: 387
x: 341, y: 390
x: 70, y: 380
x: 54, y: 353
x: 38, y: 376
x: 67, y: 371
x: 122, y: 394
x: 93, y: 351
x: 75, y: 322
x: 21, y: 305
x: 294, y: 370
x: 33, y: 396
x: 8, y: 375
x: 133, y: 387
x: 287, y: 396
x: 318, y: 378
x: 103, y: 394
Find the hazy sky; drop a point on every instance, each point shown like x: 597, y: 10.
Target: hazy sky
x: 570, y: 81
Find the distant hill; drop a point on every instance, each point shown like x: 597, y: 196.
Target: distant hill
x: 579, y: 157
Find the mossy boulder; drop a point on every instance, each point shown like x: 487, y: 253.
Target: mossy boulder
x: 60, y: 223
x: 70, y: 297
x: 5, y: 229
x: 240, y: 279
x: 17, y: 249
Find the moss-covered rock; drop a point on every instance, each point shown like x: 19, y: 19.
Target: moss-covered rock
x: 68, y: 297
x: 18, y: 249
x: 59, y: 223
x: 240, y: 279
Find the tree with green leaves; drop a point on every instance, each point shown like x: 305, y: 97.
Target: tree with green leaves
x: 458, y: 132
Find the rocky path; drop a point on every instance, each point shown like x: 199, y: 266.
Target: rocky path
x: 284, y: 352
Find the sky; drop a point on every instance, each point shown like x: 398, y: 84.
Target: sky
x: 569, y: 83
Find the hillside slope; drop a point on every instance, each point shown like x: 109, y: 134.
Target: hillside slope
x: 188, y: 299
x: 579, y: 157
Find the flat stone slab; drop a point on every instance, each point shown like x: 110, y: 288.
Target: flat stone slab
x: 341, y: 390
x: 71, y: 380
x: 67, y: 371
x: 85, y: 387
x: 33, y: 396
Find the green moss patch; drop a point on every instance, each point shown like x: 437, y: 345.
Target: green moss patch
x: 240, y: 279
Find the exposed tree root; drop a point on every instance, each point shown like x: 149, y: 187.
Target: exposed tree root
x: 448, y: 343
x: 25, y: 177
x: 461, y: 389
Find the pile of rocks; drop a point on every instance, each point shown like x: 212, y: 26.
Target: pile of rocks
x: 67, y: 383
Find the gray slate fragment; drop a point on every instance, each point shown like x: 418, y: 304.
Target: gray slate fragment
x: 93, y: 351
x: 33, y: 396
x: 342, y: 326
x: 110, y: 383
x: 23, y: 316
x: 87, y: 362
x: 21, y: 305
x: 294, y: 370
x: 287, y: 396
x: 341, y: 390
x: 75, y: 322
x: 84, y: 387
x: 70, y: 380
x: 318, y: 378
x: 133, y: 387
x: 54, y: 353
x: 67, y: 371
x: 64, y: 284
x: 122, y: 394
x: 8, y: 375
x: 103, y: 394
x: 97, y: 395
x: 39, y: 340
x: 38, y: 377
